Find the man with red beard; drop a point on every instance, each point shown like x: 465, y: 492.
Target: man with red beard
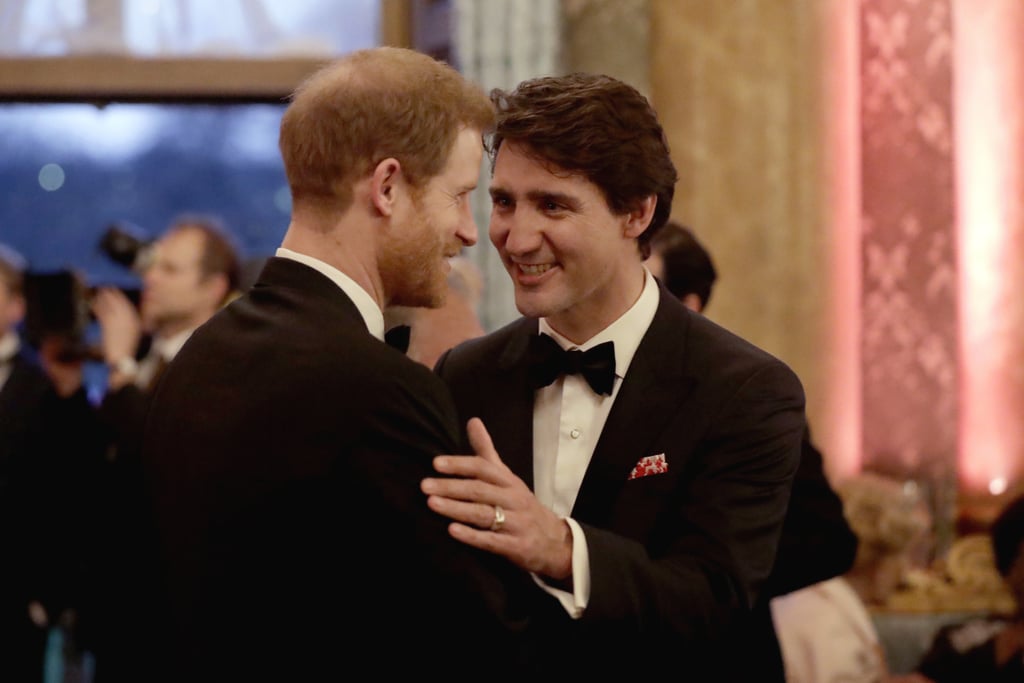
x: 287, y: 440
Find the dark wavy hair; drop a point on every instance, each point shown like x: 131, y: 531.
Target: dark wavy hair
x: 688, y: 267
x: 220, y: 253
x: 596, y: 126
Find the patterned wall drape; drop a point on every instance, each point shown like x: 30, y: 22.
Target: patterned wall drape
x: 909, y: 335
x: 499, y: 43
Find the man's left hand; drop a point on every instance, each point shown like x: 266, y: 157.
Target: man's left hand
x: 531, y: 536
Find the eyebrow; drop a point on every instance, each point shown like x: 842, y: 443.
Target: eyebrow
x: 538, y: 195
x: 460, y: 189
x: 495, y: 191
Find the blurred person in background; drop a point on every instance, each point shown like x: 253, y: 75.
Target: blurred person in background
x: 682, y: 263
x: 24, y: 389
x: 814, y: 518
x: 50, y: 461
x: 986, y: 649
x: 193, y: 271
x: 825, y: 630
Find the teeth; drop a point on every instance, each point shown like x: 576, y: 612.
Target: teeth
x: 535, y: 269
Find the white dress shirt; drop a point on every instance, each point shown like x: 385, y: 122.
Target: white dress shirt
x: 9, y: 345
x: 163, y: 349
x: 368, y: 308
x: 568, y: 417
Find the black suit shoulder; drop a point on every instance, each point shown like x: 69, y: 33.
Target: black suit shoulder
x: 22, y: 394
x: 491, y: 353
x: 476, y: 368
x: 815, y: 519
x: 494, y: 345
x: 708, y: 342
x: 23, y: 400
x: 285, y: 450
x: 306, y: 347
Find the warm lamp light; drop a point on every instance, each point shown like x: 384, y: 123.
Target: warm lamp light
x: 989, y: 62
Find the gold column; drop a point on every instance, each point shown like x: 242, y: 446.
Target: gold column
x: 396, y: 23
x: 740, y: 90
x: 610, y: 37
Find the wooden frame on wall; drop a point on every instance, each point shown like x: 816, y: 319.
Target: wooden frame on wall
x: 102, y: 79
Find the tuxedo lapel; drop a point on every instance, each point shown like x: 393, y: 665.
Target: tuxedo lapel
x: 305, y: 288
x: 654, y: 391
x: 510, y: 420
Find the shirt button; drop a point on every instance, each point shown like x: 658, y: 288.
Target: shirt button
x: 575, y: 433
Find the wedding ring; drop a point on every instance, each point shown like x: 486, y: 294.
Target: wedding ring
x: 499, y: 518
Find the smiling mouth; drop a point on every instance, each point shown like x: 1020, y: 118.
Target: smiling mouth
x: 538, y: 269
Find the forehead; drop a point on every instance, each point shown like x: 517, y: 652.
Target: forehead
x: 518, y: 171
x: 5, y: 280
x: 181, y: 245
x: 463, y: 165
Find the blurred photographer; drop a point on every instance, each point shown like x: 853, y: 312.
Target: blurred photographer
x: 191, y: 271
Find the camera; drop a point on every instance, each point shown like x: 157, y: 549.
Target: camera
x: 124, y: 243
x: 57, y: 310
x: 59, y: 304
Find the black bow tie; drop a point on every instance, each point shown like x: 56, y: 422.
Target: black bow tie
x: 398, y: 338
x: 548, y: 360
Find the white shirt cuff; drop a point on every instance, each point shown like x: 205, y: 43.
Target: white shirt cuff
x: 576, y: 602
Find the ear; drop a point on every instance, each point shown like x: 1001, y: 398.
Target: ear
x: 386, y: 176
x: 12, y: 313
x: 217, y: 286
x: 639, y: 217
x: 692, y: 301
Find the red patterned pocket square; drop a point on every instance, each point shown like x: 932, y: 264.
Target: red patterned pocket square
x: 652, y: 464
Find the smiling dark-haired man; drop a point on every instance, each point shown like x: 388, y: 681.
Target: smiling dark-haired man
x: 663, y: 446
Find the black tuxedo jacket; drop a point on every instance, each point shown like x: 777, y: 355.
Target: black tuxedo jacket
x: 23, y: 398
x: 674, y: 557
x: 50, y: 467
x: 284, y: 448
x: 817, y: 544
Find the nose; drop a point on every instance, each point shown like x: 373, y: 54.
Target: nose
x: 512, y: 233
x: 467, y: 230
x: 149, y: 276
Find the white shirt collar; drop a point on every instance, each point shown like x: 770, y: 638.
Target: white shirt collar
x: 168, y: 347
x: 627, y: 332
x: 368, y: 308
x: 9, y: 345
